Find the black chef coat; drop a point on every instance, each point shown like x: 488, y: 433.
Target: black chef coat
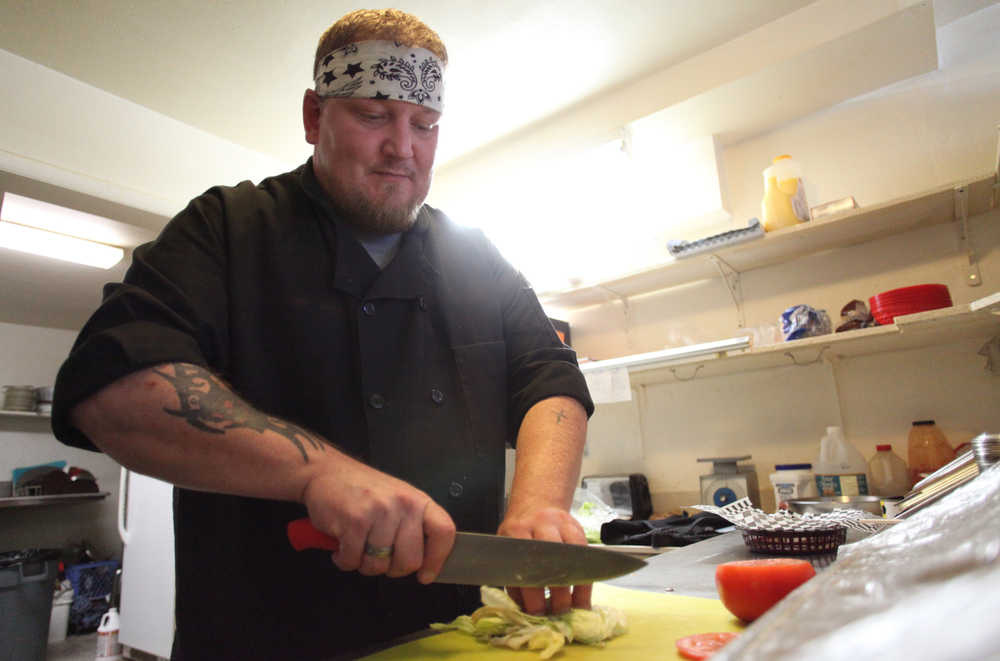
x: 424, y: 370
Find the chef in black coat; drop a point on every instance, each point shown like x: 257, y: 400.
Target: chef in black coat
x: 325, y: 344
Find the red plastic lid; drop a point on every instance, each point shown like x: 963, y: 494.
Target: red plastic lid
x: 883, y: 448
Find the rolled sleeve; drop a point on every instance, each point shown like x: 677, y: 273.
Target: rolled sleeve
x: 539, y: 364
x: 170, y: 308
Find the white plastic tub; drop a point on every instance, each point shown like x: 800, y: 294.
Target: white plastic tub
x: 59, y: 620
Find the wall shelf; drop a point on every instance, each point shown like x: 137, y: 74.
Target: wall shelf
x: 25, y: 414
x: 845, y: 229
x: 979, y: 319
x: 59, y: 499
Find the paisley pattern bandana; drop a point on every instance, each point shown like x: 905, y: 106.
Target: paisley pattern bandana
x: 383, y: 70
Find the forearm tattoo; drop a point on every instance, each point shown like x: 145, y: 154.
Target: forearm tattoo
x: 206, y: 403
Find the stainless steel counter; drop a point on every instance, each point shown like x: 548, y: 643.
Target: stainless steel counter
x: 690, y: 570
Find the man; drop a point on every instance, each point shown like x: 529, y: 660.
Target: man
x: 324, y: 339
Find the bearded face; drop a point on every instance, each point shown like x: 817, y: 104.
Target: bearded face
x: 374, y: 157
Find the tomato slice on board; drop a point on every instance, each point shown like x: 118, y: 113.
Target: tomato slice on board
x: 703, y: 645
x: 748, y: 588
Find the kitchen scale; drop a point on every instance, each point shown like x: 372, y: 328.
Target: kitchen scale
x: 728, y: 482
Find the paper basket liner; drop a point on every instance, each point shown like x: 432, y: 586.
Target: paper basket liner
x: 744, y: 515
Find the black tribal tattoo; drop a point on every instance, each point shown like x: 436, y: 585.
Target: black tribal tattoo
x: 207, y: 404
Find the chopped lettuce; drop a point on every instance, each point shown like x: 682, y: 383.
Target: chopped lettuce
x: 501, y: 622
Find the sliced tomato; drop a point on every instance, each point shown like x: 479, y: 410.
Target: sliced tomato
x: 703, y: 645
x: 748, y: 588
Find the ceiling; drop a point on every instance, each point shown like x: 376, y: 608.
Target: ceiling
x: 237, y: 69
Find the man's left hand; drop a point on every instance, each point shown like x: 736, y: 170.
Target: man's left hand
x: 549, y: 524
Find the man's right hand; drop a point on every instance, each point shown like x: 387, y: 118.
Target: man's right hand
x: 182, y: 424
x: 364, y: 508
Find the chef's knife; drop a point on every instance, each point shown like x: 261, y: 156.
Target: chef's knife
x: 478, y: 559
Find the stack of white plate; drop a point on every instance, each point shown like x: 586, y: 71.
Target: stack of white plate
x: 19, y: 398
x: 44, y: 400
x: 986, y: 448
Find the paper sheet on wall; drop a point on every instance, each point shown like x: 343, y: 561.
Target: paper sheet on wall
x: 609, y: 385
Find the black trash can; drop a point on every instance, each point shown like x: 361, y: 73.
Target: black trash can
x: 27, y: 579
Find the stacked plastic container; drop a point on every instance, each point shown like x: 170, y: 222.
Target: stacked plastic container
x: 792, y: 481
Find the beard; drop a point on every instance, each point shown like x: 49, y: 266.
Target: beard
x: 377, y: 216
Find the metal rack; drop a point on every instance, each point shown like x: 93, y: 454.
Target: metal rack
x: 59, y: 499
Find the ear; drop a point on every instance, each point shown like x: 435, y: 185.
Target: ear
x: 312, y: 107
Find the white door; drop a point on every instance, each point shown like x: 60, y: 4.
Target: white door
x: 146, y: 526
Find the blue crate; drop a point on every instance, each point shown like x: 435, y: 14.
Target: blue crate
x: 92, y: 584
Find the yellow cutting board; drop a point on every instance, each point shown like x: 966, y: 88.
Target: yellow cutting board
x: 655, y: 621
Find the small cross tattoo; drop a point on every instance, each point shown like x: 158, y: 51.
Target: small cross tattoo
x: 560, y: 416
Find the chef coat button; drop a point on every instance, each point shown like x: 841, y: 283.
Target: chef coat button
x: 422, y: 302
x: 437, y: 396
x: 369, y: 309
x: 376, y: 401
x: 455, y: 490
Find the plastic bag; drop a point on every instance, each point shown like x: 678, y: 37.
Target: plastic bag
x: 591, y: 512
x: 801, y: 321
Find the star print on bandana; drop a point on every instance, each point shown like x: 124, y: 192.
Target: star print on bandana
x: 391, y: 71
x: 348, y: 89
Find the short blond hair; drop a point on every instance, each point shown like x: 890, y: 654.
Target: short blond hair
x: 382, y: 24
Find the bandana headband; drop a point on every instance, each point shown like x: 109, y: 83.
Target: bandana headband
x: 383, y: 70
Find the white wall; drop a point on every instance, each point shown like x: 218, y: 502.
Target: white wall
x: 918, y: 134
x: 64, y: 132
x: 921, y: 133
x: 926, y: 132
x: 31, y: 355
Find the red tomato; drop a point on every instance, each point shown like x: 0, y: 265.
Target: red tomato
x: 702, y: 645
x: 749, y: 587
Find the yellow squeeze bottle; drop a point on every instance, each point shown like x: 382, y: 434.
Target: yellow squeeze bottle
x: 784, y: 203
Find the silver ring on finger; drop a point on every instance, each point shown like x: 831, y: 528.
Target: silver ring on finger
x: 378, y: 551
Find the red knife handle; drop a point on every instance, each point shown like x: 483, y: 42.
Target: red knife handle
x: 303, y: 535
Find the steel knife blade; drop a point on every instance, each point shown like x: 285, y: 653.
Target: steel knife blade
x: 479, y: 559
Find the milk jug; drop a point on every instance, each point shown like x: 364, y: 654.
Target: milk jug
x: 841, y: 470
x: 108, y: 647
x: 888, y: 472
x: 784, y: 203
x: 928, y: 449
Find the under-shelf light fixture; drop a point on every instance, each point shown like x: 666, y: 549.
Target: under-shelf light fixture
x: 647, y: 361
x: 50, y: 230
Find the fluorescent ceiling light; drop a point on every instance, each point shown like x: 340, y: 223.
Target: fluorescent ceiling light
x: 50, y: 230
